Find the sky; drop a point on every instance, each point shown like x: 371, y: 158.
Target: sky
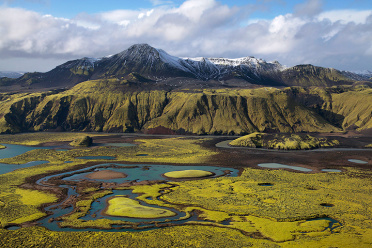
x: 38, y: 35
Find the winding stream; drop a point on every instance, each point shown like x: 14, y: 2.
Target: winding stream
x: 136, y: 173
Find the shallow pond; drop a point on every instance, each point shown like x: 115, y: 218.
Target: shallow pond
x: 357, y: 161
x: 283, y: 166
x: 331, y: 170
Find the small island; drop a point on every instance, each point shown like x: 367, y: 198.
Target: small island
x: 126, y: 207
x: 2, y: 147
x: 85, y: 141
x: 188, y: 174
x: 283, y: 141
x: 106, y: 175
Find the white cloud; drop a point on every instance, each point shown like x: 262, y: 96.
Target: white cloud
x: 339, y: 39
x: 345, y: 16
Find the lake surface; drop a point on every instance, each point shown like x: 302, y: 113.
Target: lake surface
x: 14, y: 150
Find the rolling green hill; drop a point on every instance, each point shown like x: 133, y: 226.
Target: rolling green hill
x: 111, y: 105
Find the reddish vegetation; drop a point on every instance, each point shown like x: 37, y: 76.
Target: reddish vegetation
x: 106, y: 174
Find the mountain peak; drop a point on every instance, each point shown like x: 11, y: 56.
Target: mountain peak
x: 140, y: 46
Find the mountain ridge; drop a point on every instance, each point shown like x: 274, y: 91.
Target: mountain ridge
x: 162, y: 68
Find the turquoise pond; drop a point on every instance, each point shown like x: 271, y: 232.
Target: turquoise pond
x: 357, y: 161
x: 331, y: 170
x: 283, y: 166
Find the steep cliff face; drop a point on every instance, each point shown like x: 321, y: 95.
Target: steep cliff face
x: 103, y: 106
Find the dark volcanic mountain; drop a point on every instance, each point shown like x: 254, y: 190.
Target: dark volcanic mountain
x: 169, y: 72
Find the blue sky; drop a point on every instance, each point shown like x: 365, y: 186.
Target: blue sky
x: 71, y: 8
x: 37, y: 35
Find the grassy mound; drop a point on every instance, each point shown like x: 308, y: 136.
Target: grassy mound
x: 85, y: 141
x: 283, y: 141
x: 188, y: 174
x: 250, y: 140
x: 2, y: 147
x: 123, y: 206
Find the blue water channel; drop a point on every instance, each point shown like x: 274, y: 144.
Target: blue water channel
x: 135, y: 173
x: 14, y: 150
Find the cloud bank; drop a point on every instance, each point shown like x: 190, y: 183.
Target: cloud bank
x: 340, y: 39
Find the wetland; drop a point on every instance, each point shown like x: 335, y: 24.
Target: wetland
x: 167, y: 185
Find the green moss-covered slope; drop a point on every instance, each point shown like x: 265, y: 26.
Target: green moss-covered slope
x: 282, y: 141
x: 107, y: 105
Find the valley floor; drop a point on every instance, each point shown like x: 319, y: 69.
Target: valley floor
x: 260, y: 207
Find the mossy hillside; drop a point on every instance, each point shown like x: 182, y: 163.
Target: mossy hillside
x: 356, y: 107
x: 102, y: 105
x: 343, y: 106
x: 309, y: 75
x: 283, y: 141
x: 13, y: 110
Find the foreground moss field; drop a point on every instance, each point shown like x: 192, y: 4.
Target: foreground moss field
x: 259, y: 208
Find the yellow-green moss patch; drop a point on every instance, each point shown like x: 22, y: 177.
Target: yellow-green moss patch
x: 283, y: 141
x: 188, y: 174
x: 34, y: 197
x: 126, y: 207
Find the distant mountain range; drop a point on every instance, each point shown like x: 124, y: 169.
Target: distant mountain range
x: 11, y: 74
x: 162, y: 71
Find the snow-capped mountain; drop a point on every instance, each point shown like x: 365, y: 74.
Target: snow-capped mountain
x: 158, y: 66
x: 11, y: 74
x: 359, y: 75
